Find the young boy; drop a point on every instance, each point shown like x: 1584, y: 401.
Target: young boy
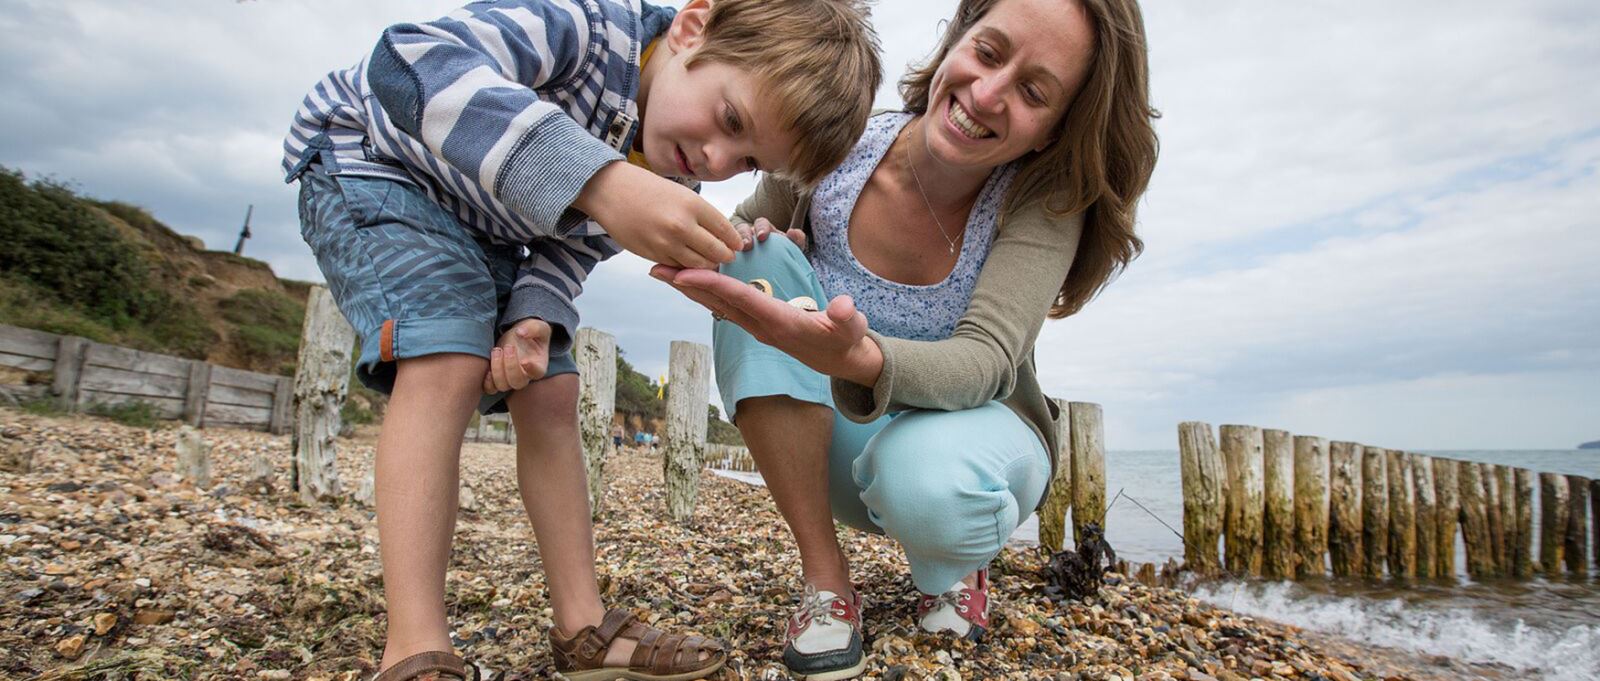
x: 459, y: 184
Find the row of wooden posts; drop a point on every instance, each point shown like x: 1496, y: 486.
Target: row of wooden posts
x: 1289, y: 506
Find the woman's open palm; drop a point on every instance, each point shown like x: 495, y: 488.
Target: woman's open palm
x: 831, y: 342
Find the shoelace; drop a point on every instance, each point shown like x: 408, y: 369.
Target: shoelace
x: 955, y: 599
x: 814, y: 605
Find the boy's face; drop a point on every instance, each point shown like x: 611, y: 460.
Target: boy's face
x: 710, y: 121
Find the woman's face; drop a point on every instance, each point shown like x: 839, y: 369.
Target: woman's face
x: 1004, y: 86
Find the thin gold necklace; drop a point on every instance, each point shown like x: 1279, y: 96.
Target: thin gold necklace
x: 925, y: 200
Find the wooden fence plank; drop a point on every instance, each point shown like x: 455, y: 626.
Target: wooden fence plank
x: 1277, y: 529
x: 235, y: 416
x: 106, y: 379
x: 114, y: 357
x: 164, y: 407
x: 239, y: 397
x: 1344, y: 508
x: 26, y: 363
x: 248, y: 380
x: 15, y: 340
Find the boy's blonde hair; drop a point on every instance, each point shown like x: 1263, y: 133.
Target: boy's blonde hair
x: 818, y: 58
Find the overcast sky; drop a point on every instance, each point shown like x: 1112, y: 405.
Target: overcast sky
x: 1373, y: 221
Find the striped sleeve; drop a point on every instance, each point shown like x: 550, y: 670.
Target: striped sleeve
x: 465, y: 86
x: 550, y: 279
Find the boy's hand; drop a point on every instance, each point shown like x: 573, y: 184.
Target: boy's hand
x: 520, y: 358
x: 764, y: 228
x: 658, y: 219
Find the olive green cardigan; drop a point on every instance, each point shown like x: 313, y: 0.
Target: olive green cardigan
x: 990, y: 354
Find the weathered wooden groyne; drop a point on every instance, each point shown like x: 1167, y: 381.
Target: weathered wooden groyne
x: 1288, y: 506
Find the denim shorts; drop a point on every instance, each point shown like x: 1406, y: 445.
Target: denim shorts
x: 411, y: 278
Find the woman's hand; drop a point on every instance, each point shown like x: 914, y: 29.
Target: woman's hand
x: 832, y: 342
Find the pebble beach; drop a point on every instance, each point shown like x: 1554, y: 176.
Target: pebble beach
x: 114, y: 567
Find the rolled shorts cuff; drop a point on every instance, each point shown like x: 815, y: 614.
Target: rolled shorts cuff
x: 762, y: 371
x: 398, y: 339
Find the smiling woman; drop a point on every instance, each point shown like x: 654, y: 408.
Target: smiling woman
x: 1003, y: 195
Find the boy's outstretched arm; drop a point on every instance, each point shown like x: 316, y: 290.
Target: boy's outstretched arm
x: 465, y: 86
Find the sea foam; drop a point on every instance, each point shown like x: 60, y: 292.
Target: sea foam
x: 1555, y: 654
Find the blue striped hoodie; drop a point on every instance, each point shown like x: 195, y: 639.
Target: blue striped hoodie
x: 500, y: 112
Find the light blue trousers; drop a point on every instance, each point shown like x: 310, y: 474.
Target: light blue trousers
x: 950, y: 486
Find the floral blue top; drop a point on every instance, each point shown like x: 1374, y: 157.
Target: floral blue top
x: 892, y: 308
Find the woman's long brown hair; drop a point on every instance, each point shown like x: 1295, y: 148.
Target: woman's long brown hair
x: 1104, y: 152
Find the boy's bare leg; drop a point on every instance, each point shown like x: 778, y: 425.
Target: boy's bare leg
x: 417, y: 483
x: 555, y: 492
x: 789, y: 441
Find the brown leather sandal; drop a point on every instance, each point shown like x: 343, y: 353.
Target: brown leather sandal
x: 430, y: 666
x: 657, y: 656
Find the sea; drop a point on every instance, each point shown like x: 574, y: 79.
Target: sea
x: 1539, y: 628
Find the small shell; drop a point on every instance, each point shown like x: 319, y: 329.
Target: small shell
x: 804, y: 303
x: 762, y: 285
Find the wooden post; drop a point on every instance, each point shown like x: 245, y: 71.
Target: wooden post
x: 195, y: 395
x: 1505, y: 483
x: 1554, y: 506
x: 194, y: 462
x: 1088, y: 467
x: 320, y: 383
x: 1497, y: 524
x: 1344, y: 508
x: 1310, y: 504
x: 1522, y: 563
x: 1576, y: 545
x: 1277, y: 561
x: 1475, y: 520
x: 69, y: 368
x: 1402, y: 516
x: 1447, y: 490
x: 261, y: 475
x: 1241, y: 450
x: 1427, y: 525
x: 1202, y: 474
x: 1374, y: 509
x: 596, y: 354
x: 1053, y: 514
x: 689, y: 376
x: 282, y: 407
x: 1594, y: 501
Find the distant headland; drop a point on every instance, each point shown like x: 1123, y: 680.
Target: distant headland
x: 1590, y: 445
